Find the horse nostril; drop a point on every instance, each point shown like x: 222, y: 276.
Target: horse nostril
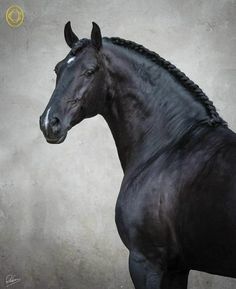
x: 55, y: 125
x: 54, y: 121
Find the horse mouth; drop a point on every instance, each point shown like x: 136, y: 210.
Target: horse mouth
x: 56, y: 140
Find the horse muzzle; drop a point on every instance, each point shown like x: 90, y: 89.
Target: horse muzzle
x: 52, y: 129
x: 56, y: 140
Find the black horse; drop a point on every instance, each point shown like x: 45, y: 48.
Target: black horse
x: 176, y: 209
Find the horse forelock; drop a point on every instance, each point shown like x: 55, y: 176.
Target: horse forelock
x: 79, y: 45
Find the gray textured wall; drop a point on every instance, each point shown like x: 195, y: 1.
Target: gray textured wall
x: 57, y: 225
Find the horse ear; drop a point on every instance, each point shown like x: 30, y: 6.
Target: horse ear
x: 70, y: 36
x: 96, y: 36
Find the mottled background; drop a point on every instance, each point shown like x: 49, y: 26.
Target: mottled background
x: 57, y: 202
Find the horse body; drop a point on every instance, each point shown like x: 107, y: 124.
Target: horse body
x: 180, y: 210
x: 210, y: 224
x: 176, y: 207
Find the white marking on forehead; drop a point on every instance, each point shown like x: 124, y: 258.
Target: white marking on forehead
x: 71, y: 59
x: 46, y: 121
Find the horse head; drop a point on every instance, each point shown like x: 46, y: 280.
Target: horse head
x: 80, y: 86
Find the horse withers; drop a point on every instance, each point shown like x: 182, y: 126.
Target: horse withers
x: 176, y: 208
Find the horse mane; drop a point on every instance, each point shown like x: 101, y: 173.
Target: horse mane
x: 214, y: 117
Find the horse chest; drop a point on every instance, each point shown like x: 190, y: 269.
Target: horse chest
x: 143, y: 213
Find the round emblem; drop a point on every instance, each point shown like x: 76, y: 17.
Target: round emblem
x: 14, y: 16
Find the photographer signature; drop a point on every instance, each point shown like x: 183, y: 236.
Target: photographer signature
x: 11, y: 280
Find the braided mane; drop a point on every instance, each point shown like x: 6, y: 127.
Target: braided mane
x: 214, y: 117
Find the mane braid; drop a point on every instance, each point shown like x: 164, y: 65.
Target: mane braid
x: 214, y: 117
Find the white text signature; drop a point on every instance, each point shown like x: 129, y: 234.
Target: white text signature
x: 11, y: 280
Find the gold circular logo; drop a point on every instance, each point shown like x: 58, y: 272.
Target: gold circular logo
x: 15, y: 16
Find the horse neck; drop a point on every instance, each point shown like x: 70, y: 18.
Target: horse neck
x: 147, y: 109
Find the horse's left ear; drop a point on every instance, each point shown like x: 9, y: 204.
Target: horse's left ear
x: 96, y: 36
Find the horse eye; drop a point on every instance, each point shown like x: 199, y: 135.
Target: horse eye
x: 89, y: 72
